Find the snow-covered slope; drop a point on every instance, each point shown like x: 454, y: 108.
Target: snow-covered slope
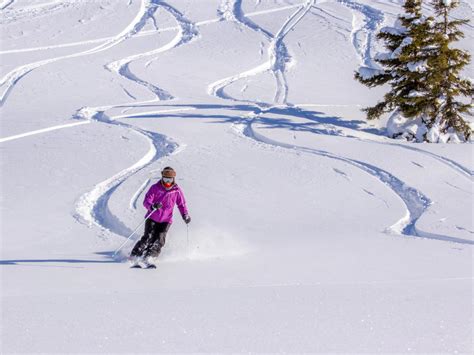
x: 311, y: 231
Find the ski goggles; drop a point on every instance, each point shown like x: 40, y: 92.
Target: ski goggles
x: 167, y: 180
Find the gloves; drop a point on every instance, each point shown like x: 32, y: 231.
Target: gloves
x: 156, y: 206
x: 186, y: 218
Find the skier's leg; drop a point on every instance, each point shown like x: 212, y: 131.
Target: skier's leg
x: 145, y: 240
x: 159, y: 240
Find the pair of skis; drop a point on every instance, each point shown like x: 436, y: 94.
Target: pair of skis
x: 138, y: 266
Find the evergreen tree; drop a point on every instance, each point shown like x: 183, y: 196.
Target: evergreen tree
x: 420, y: 68
x: 403, y: 64
x: 446, y: 85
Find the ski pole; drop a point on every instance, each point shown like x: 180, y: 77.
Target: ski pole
x: 187, y: 241
x: 141, y: 224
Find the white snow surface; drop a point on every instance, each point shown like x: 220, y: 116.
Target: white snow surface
x: 311, y: 231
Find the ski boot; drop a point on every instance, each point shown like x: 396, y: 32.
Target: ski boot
x: 148, y: 263
x: 135, y: 262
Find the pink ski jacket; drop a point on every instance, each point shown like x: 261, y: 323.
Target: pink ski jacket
x: 168, y: 198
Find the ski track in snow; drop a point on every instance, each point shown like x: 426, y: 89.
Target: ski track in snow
x: 231, y: 10
x: 278, y: 54
x: 149, y: 113
x: 279, y: 57
x: 136, y: 195
x: 416, y: 203
x: 10, y: 79
x: 70, y: 125
x: 92, y: 207
x: 41, y: 131
x: 5, y: 3
x: 186, y: 32
x: 83, y: 43
x: 368, y: 26
x: 140, y: 34
x: 458, y: 168
x: 8, y: 82
x: 369, y: 137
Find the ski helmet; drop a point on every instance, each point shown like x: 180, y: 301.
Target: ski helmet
x: 168, y: 172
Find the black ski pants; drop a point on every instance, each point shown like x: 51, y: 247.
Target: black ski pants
x: 153, y: 239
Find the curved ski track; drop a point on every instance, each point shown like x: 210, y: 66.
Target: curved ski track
x: 459, y: 168
x: 369, y: 137
x: 136, y: 195
x: 92, y: 207
x: 278, y: 53
x: 416, y: 203
x: 8, y: 82
x: 231, y: 10
x: 373, y: 19
x: 11, y: 78
x: 40, y: 131
x: 186, y: 33
x: 140, y: 34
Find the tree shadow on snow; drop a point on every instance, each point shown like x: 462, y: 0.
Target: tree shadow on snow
x: 318, y: 122
x: 42, y: 262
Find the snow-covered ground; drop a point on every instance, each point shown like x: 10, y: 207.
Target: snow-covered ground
x: 311, y: 231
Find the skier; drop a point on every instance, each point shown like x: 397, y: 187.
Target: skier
x: 159, y: 201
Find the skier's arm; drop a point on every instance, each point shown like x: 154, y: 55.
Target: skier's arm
x: 149, y: 198
x: 181, y: 203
